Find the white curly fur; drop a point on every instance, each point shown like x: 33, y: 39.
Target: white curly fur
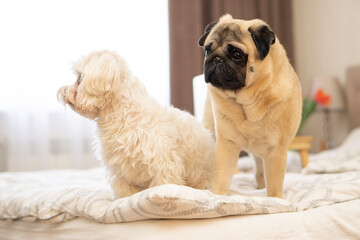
x: 143, y: 143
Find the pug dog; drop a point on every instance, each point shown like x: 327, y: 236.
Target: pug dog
x: 254, y: 100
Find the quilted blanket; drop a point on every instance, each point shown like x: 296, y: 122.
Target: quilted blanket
x: 62, y: 195
x: 58, y: 196
x: 344, y: 158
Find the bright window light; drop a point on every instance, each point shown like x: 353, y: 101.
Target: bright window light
x: 40, y: 39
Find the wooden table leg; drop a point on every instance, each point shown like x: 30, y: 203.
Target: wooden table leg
x: 304, y: 157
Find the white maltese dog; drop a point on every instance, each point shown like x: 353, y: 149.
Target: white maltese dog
x: 143, y: 143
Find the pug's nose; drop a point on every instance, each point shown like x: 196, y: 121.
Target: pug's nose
x: 218, y: 60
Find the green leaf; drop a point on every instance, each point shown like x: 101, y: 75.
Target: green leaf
x: 309, y: 106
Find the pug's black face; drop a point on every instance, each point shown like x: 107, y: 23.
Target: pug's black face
x: 225, y: 63
x: 225, y: 67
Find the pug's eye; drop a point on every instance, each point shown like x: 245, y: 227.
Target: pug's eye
x: 235, y: 53
x: 208, y: 49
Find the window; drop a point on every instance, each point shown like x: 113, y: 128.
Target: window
x: 40, y: 39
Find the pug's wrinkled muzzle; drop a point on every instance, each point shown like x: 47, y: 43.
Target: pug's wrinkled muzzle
x: 219, y: 74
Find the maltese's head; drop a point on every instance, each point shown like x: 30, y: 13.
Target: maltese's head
x: 99, y: 78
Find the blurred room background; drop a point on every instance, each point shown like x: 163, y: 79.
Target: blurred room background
x: 40, y: 40
x: 158, y: 38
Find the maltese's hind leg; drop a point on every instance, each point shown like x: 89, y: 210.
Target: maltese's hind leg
x: 122, y: 188
x: 170, y: 170
x: 167, y: 177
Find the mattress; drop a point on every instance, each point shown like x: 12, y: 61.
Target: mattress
x: 338, y: 221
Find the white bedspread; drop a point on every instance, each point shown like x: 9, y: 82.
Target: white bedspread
x: 341, y: 159
x: 58, y: 196
x: 62, y: 195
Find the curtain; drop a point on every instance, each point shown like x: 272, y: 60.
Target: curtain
x: 187, y: 21
x: 45, y: 140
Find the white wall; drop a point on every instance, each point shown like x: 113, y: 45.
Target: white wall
x: 327, y: 41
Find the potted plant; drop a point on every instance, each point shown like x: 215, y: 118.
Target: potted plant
x: 303, y: 143
x: 309, y: 105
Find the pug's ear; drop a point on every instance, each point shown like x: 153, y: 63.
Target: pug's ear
x: 263, y: 38
x: 206, y: 33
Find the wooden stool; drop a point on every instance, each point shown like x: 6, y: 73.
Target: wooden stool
x: 302, y: 144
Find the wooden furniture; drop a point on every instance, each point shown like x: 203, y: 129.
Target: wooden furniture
x: 352, y: 88
x: 302, y: 144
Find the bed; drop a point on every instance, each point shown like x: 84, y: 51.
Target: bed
x: 321, y: 201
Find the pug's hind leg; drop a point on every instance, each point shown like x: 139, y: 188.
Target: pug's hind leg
x: 259, y: 172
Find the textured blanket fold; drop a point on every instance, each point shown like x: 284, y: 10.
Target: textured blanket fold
x: 61, y: 195
x: 58, y: 196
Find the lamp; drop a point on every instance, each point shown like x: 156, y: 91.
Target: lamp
x: 329, y: 90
